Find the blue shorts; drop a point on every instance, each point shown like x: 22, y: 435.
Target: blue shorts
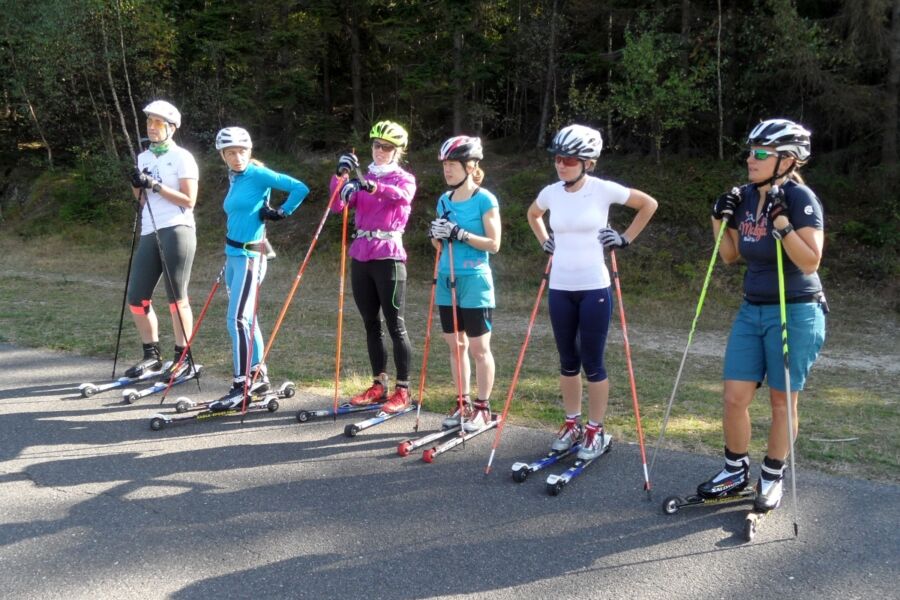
x: 754, y: 347
x: 472, y: 291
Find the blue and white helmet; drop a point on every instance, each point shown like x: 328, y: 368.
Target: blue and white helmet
x: 165, y: 111
x: 578, y: 141
x: 233, y: 136
x: 784, y: 136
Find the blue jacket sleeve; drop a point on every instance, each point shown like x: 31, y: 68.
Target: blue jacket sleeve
x: 296, y: 189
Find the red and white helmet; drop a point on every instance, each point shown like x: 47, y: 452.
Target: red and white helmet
x: 165, y: 111
x: 462, y: 148
x: 233, y: 136
x: 578, y: 141
x: 783, y: 135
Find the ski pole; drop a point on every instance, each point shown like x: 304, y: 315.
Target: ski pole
x: 787, y: 381
x: 194, y: 331
x: 251, y: 334
x: 134, y: 237
x: 709, y: 270
x: 459, y: 381
x: 340, y: 323
x: 634, y: 397
x: 423, y: 371
x: 515, y: 378
x: 299, y: 276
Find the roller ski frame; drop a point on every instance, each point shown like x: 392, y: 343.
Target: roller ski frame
x: 285, y: 390
x: 521, y: 470
x: 406, y: 447
x: 556, y: 483
x: 431, y: 453
x: 673, y: 504
x: 342, y: 410
x: 382, y: 417
x: 267, y: 404
x: 753, y: 520
x: 89, y: 389
x: 131, y: 395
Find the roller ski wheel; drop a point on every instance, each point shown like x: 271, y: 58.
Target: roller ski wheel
x: 351, y: 430
x: 157, y: 423
x: 428, y: 455
x: 183, y: 405
x: 287, y: 389
x: 555, y: 488
x: 671, y: 505
x: 272, y: 405
x: 130, y: 396
x: 520, y: 475
x: 302, y: 416
x: 87, y: 390
x: 404, y: 448
x: 751, y: 525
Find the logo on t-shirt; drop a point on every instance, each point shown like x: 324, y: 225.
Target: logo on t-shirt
x: 752, y: 230
x: 807, y: 210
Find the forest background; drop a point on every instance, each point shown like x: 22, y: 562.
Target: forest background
x: 673, y: 86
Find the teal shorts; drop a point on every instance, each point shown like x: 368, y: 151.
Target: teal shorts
x: 754, y: 350
x: 472, y: 291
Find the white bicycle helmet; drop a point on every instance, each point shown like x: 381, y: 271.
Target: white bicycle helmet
x: 165, y: 111
x: 233, y: 136
x: 462, y: 148
x: 783, y: 135
x: 578, y: 141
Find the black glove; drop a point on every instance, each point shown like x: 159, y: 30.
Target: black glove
x: 267, y: 213
x: 346, y: 163
x: 777, y: 203
x: 369, y: 186
x: 611, y: 239
x: 143, y: 179
x: 726, y: 205
x: 350, y: 188
x: 549, y: 246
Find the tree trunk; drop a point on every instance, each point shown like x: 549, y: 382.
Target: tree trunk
x: 326, y: 77
x: 548, y: 82
x: 112, y: 89
x: 137, y: 123
x: 609, y: 111
x: 457, y: 81
x: 87, y: 86
x: 684, y: 139
x: 719, y: 82
x: 31, y: 111
x: 355, y: 69
x: 889, y: 145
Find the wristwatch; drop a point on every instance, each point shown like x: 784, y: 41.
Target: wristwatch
x: 156, y: 187
x: 780, y: 234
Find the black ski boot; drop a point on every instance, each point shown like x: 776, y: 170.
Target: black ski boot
x: 730, y: 480
x: 150, y: 362
x: 183, y: 369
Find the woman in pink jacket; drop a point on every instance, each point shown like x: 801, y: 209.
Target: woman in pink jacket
x: 382, y: 201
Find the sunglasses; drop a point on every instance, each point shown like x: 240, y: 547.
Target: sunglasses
x: 383, y: 147
x: 759, y: 154
x: 569, y: 161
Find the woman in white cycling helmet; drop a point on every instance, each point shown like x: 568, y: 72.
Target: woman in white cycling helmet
x: 579, y: 289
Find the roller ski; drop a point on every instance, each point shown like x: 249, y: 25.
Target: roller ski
x: 449, y: 426
x: 567, y: 443
x: 729, y: 486
x: 89, y: 389
x: 258, y: 392
x: 595, y: 444
x: 397, y: 405
x: 768, y: 497
x: 480, y: 422
x: 234, y: 403
x: 342, y: 410
x: 132, y: 395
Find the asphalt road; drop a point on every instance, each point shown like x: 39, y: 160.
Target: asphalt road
x: 94, y: 504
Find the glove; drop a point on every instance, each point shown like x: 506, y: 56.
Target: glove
x: 549, y: 246
x: 726, y: 205
x: 350, y: 188
x: 143, y: 179
x: 777, y: 203
x: 346, y: 163
x: 444, y: 229
x: 611, y: 239
x: 267, y: 213
x: 369, y: 186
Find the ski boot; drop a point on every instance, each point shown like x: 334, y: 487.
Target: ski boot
x: 376, y: 393
x: 183, y: 369
x: 594, y: 444
x: 230, y: 401
x: 479, y: 418
x: 150, y: 362
x: 452, y: 420
x: 725, y: 483
x: 570, y: 433
x: 398, y: 401
x: 769, y: 490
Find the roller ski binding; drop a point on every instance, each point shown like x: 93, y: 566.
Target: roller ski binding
x: 596, y: 443
x: 727, y: 487
x: 566, y: 444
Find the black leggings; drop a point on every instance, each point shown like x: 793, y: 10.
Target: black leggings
x: 380, y: 285
x: 178, y: 243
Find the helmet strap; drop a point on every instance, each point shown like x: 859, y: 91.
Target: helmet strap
x: 568, y: 184
x: 775, y: 175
